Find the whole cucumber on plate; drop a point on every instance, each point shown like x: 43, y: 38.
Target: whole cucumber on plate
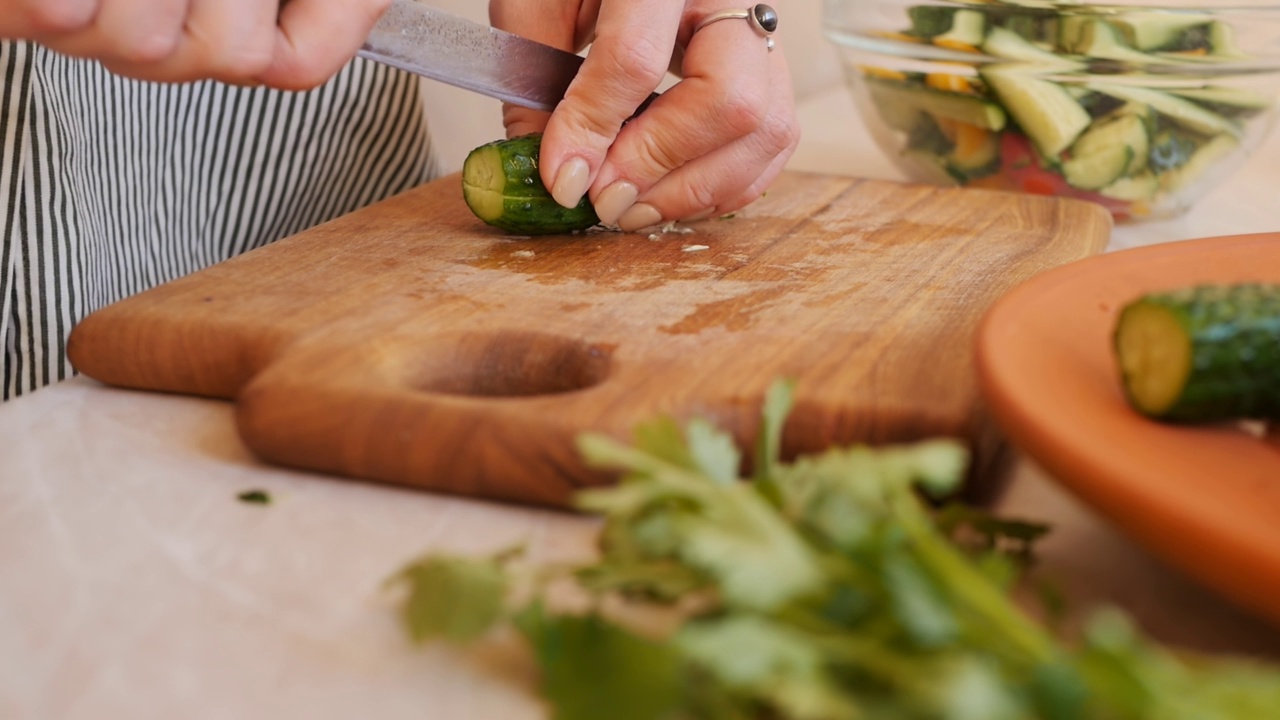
x: 501, y: 185
x: 1202, y: 354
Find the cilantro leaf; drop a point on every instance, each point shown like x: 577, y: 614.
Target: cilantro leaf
x: 593, y: 669
x: 711, y: 526
x: 925, y: 616
x: 740, y: 525
x: 769, y: 661
x: 664, y: 439
x: 713, y: 452
x: 455, y: 599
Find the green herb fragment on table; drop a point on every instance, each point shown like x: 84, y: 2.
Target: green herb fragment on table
x: 255, y: 497
x: 825, y: 588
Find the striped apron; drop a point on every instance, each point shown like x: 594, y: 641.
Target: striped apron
x: 109, y: 186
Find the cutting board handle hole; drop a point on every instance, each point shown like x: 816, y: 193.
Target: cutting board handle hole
x: 512, y: 363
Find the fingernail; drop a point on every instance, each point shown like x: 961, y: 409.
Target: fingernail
x: 571, y: 182
x: 639, y: 216
x: 615, y: 200
x: 700, y: 216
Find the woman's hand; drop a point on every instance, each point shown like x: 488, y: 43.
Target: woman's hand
x: 294, y: 45
x: 709, y: 145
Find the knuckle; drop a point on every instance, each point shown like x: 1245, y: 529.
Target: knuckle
x: 639, y: 62
x: 777, y: 135
x: 743, y: 110
x: 229, y: 59
x: 700, y: 195
x: 246, y: 64
x: 149, y: 48
x: 60, y: 17
x: 579, y: 115
x: 655, y: 154
x: 297, y: 79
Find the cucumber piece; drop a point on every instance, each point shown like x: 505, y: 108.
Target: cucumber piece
x: 1143, y: 186
x: 1092, y: 171
x: 1032, y: 26
x: 1106, y: 151
x: 1202, y: 354
x: 948, y: 24
x: 1165, y: 31
x: 1043, y: 109
x: 901, y: 102
x: 1181, y: 111
x: 1008, y: 45
x: 1222, y: 40
x: 968, y: 27
x: 929, y: 20
x: 1097, y: 38
x: 501, y: 185
x: 1228, y: 102
x: 1201, y: 161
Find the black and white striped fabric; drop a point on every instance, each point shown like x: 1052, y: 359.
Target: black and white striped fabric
x: 109, y: 186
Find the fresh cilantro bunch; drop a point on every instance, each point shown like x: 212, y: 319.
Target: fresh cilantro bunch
x: 823, y: 589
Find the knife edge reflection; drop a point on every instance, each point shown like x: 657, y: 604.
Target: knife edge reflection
x: 435, y: 44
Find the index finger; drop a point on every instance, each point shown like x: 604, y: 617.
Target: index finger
x: 628, y: 60
x: 316, y: 38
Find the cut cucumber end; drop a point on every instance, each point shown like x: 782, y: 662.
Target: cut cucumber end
x: 1154, y: 352
x: 483, y: 182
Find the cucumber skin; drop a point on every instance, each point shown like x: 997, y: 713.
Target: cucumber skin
x: 1234, y: 332
x: 528, y: 207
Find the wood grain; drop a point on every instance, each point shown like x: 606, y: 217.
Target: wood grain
x: 410, y: 344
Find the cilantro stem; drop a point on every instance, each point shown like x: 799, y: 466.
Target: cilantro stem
x: 970, y: 589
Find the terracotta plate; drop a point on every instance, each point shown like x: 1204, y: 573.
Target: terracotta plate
x: 1205, y: 498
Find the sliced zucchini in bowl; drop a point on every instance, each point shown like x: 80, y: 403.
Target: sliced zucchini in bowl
x: 1179, y: 110
x: 1008, y: 45
x: 1107, y: 151
x: 900, y: 102
x: 1136, y: 188
x: 942, y: 25
x: 1229, y: 102
x: 1098, y: 38
x: 1044, y: 110
x: 1165, y: 31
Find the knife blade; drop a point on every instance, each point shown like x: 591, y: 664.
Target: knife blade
x: 444, y: 47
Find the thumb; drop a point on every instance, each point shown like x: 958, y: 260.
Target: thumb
x: 554, y: 24
x: 522, y: 120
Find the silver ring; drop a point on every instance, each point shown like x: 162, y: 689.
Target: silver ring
x: 763, y: 19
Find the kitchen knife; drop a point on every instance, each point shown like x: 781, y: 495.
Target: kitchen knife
x: 453, y: 50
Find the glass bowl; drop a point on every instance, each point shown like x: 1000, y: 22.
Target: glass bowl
x: 1139, y: 107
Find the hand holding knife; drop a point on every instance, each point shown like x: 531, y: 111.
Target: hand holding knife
x: 709, y: 145
x: 714, y: 142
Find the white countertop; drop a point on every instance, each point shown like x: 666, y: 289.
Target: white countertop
x: 133, y: 583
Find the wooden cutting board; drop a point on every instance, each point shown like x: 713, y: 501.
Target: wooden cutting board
x: 409, y: 343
